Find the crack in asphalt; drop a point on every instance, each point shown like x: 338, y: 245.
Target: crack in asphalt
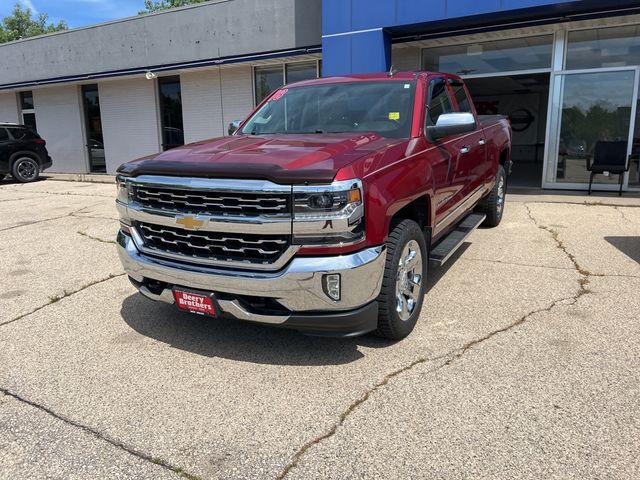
x: 97, y: 239
x: 582, y: 204
x: 453, y: 355
x: 618, y: 208
x: 69, y: 194
x: 56, y: 298
x: 102, y: 436
x: 70, y: 214
x: 450, y: 356
x: 555, y: 235
x: 516, y: 264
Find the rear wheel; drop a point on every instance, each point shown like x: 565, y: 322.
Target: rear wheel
x: 25, y: 169
x: 493, y: 204
x: 403, y: 285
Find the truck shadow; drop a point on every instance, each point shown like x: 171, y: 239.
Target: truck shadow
x: 248, y: 342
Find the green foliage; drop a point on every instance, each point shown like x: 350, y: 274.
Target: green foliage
x: 156, y: 6
x: 21, y: 24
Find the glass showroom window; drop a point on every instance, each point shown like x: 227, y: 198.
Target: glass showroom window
x: 516, y: 54
x: 604, y: 48
x: 27, y: 109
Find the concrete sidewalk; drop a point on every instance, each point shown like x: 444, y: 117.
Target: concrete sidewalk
x: 524, y: 364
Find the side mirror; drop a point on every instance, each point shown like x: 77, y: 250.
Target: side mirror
x: 233, y: 126
x: 452, y: 124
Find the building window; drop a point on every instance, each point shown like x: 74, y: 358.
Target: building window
x: 298, y: 72
x: 604, y: 48
x: 271, y: 77
x: 93, y: 123
x: 527, y: 53
x: 171, y: 112
x: 267, y: 80
x: 27, y: 109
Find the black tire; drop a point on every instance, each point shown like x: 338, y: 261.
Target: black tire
x: 393, y: 321
x: 493, y: 204
x: 25, y: 169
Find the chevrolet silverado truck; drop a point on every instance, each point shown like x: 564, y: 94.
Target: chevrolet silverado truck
x: 323, y: 210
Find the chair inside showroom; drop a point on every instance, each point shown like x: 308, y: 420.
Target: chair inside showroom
x: 608, y: 158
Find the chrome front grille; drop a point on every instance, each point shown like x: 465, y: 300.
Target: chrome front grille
x: 218, y: 247
x: 247, y: 204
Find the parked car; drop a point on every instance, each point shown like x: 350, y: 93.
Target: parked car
x: 324, y: 209
x: 23, y: 153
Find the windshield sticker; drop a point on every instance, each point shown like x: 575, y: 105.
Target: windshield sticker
x: 279, y: 94
x: 407, y: 85
x: 394, y: 115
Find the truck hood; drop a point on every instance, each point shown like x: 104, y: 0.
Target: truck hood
x: 285, y: 159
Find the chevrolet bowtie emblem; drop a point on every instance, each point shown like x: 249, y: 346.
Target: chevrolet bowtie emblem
x: 189, y: 222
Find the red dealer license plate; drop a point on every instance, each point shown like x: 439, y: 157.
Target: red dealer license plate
x: 193, y: 302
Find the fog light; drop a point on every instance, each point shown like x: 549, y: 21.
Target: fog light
x: 331, y: 286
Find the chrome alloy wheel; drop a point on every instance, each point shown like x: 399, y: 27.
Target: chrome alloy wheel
x: 408, y: 280
x: 500, y: 199
x: 27, y: 169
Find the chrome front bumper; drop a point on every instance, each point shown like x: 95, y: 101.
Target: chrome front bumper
x: 298, y: 287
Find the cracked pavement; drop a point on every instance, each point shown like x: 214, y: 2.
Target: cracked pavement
x: 524, y: 363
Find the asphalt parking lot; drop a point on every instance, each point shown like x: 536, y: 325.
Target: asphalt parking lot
x: 525, y: 363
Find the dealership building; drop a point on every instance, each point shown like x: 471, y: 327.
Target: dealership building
x: 565, y: 72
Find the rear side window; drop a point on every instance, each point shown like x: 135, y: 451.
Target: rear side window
x: 439, y: 101
x: 4, y: 135
x: 462, y: 99
x: 23, y: 134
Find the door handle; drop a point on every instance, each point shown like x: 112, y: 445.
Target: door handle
x: 465, y: 150
x: 482, y: 142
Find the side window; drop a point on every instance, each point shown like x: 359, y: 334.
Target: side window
x: 4, y: 135
x: 462, y: 99
x: 439, y: 101
x: 18, y: 133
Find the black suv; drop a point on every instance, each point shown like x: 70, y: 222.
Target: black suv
x: 22, y: 153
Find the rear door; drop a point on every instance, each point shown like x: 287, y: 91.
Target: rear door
x: 5, y: 150
x: 471, y: 147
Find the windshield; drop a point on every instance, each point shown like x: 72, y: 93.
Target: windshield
x: 385, y: 108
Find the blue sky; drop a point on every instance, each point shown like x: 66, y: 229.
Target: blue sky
x: 78, y: 12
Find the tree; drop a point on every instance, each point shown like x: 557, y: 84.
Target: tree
x: 156, y: 6
x: 21, y: 24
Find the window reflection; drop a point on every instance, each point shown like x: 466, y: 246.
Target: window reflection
x: 596, y: 110
x: 490, y: 57
x: 604, y: 48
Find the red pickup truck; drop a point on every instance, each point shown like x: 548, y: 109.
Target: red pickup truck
x: 324, y: 209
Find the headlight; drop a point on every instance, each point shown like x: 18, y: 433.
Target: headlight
x: 122, y: 189
x: 328, y: 214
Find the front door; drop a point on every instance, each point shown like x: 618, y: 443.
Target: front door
x: 596, y: 111
x: 445, y: 153
x: 470, y: 165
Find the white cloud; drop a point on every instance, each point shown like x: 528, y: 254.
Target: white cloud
x: 28, y: 4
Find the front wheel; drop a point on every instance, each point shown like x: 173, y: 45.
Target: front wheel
x: 403, y: 285
x: 25, y: 169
